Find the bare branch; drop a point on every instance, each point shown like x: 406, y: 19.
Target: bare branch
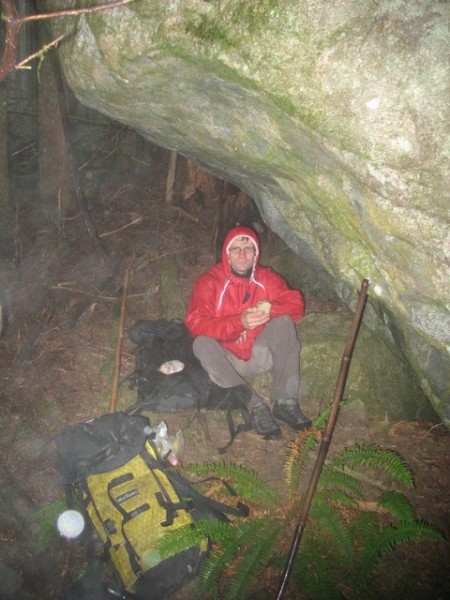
x: 69, y: 12
x: 14, y: 22
x: 40, y: 53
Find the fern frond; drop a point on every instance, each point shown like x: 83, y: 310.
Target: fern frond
x: 333, y: 479
x: 317, y: 576
x: 398, y: 505
x: 298, y: 452
x: 388, y: 460
x: 189, y: 535
x: 298, y: 456
x: 253, y: 560
x: 316, y: 568
x: 246, y: 482
x: 364, y: 527
x: 320, y: 421
x: 333, y: 528
x: 337, y: 498
x: 47, y: 512
x: 45, y: 518
x: 212, y: 571
x: 388, y: 538
x: 243, y: 535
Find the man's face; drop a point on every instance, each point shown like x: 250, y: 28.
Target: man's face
x: 242, y: 255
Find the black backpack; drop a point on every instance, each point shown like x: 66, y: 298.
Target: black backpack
x: 161, y: 341
x: 130, y: 497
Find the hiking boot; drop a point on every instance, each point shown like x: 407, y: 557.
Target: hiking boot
x: 263, y: 422
x: 289, y: 412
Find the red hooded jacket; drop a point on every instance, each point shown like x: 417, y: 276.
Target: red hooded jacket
x: 219, y: 298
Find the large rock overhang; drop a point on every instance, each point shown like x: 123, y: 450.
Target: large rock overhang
x: 333, y: 117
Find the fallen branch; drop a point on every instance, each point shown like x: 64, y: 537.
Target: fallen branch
x: 117, y: 361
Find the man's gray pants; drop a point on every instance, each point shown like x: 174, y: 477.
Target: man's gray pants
x: 276, y: 347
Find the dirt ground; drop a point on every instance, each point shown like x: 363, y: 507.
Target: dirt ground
x: 57, y: 365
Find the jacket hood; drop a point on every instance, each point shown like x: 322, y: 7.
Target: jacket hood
x: 238, y: 232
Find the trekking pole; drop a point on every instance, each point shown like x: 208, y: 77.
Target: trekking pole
x: 116, y: 377
x: 326, y: 437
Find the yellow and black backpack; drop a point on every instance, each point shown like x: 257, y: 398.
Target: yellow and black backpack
x: 131, y: 497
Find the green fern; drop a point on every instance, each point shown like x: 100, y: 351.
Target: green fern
x: 370, y: 456
x: 44, y: 519
x: 343, y: 542
x: 213, y: 570
x: 333, y: 528
x: 246, y: 482
x: 321, y: 420
x: 299, y: 452
x: 239, y: 537
x: 389, y: 537
x: 314, y: 575
x: 187, y: 536
x: 253, y: 559
x: 399, y: 506
x: 345, y: 483
x: 298, y: 457
x: 364, y: 526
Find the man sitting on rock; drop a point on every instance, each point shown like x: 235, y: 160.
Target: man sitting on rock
x: 243, y: 317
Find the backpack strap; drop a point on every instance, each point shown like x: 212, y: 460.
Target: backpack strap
x: 127, y: 516
x: 74, y: 498
x: 93, y: 580
x: 199, y: 505
x: 203, y: 507
x: 234, y: 431
x: 231, y: 399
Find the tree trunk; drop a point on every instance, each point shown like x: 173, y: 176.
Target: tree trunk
x: 56, y: 184
x: 4, y: 171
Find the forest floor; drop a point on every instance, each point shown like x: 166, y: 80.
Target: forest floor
x: 57, y: 363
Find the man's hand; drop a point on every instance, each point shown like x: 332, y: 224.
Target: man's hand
x: 252, y: 318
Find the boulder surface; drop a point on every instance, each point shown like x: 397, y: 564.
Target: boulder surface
x: 332, y: 116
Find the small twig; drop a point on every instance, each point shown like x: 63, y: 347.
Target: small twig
x: 40, y: 53
x: 121, y: 191
x: 65, y: 13
x: 63, y: 287
x: 116, y: 377
x: 17, y: 152
x: 184, y: 213
x: 434, y: 427
x: 134, y: 222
